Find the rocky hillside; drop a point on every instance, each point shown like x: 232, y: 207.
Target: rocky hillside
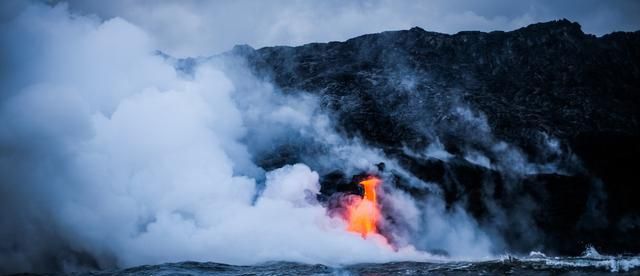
x: 542, y: 123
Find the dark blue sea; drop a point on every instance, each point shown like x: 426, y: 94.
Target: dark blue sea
x: 536, y: 264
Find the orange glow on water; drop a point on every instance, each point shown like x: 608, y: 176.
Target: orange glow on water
x: 363, y: 215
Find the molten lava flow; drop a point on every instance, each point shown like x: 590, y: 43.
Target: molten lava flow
x: 363, y: 215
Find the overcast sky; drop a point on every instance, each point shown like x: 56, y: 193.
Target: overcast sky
x: 188, y: 28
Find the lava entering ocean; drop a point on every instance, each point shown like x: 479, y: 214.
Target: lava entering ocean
x: 363, y: 215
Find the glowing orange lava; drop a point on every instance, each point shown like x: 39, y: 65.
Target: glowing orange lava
x: 363, y: 215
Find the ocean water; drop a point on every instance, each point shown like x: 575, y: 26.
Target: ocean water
x: 534, y: 264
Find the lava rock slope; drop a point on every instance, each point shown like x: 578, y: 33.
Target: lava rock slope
x: 540, y: 123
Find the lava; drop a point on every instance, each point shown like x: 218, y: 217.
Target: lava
x: 363, y: 215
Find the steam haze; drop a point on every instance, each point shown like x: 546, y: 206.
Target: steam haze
x: 112, y: 156
x: 203, y: 28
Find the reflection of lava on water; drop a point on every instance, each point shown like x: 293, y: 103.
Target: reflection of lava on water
x: 364, y: 214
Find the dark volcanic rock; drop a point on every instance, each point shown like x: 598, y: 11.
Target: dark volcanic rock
x: 548, y: 76
x: 471, y: 91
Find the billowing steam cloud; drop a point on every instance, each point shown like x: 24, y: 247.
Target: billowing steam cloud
x: 110, y: 157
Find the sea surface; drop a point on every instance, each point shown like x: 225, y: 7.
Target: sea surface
x: 534, y: 264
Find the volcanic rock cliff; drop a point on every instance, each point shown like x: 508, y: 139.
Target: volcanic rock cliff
x: 565, y: 102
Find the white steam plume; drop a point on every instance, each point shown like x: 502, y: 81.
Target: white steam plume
x: 110, y: 158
